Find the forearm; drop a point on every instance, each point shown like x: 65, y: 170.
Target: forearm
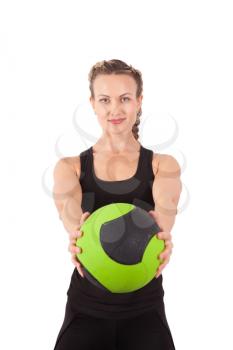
x: 67, y: 193
x: 166, y: 210
x: 71, y: 214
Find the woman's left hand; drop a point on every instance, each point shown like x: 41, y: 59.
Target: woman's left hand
x: 166, y: 236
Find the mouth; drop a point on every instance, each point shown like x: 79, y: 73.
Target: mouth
x: 116, y: 121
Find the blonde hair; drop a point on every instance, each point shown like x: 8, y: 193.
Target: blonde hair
x: 118, y: 67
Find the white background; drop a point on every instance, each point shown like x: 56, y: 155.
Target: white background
x: 184, y: 51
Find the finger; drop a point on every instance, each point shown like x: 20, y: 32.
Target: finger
x: 79, y: 233
x: 80, y: 271
x: 73, y: 245
x: 78, y: 266
x: 158, y: 273
x: 164, y: 235
x: 76, y: 229
x: 75, y: 261
x: 160, y: 269
x: 154, y: 216
x: 168, y: 248
x: 74, y: 235
x: 74, y: 249
x: 78, y: 226
x: 84, y: 217
x: 165, y: 254
x: 153, y: 213
x: 165, y: 262
x: 73, y: 241
x: 169, y: 244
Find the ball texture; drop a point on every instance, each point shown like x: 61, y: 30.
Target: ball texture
x: 120, y: 247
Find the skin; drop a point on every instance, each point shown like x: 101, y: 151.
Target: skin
x: 117, y: 141
x: 116, y: 149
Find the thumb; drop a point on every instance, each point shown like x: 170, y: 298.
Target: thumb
x: 84, y: 217
x: 155, y: 215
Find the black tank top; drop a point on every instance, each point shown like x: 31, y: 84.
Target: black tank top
x: 83, y: 296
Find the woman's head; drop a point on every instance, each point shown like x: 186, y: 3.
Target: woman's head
x: 116, y: 92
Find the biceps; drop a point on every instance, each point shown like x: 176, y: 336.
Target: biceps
x: 66, y: 188
x: 166, y: 189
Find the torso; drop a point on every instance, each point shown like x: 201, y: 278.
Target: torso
x: 115, y: 167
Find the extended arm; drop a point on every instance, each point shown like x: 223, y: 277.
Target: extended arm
x: 166, y: 193
x: 166, y: 189
x: 67, y: 193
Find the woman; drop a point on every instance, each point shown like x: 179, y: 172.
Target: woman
x: 116, y: 169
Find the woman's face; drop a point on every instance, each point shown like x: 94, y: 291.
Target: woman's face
x: 115, y: 97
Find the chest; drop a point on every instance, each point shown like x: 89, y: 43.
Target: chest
x: 115, y: 167
x: 120, y: 167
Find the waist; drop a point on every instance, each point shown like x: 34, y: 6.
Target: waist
x: 85, y: 297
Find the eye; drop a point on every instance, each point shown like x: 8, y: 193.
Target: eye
x: 106, y: 99
x: 103, y: 99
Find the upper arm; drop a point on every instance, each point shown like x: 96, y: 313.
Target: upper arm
x: 167, y: 184
x: 67, y: 192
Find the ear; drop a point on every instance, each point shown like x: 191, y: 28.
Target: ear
x: 140, y: 100
x: 92, y: 103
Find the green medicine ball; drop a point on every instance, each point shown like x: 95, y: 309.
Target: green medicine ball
x: 120, y: 248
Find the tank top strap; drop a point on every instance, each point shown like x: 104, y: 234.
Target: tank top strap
x: 85, y: 163
x: 145, y: 170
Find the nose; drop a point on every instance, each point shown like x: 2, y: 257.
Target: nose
x: 115, y: 109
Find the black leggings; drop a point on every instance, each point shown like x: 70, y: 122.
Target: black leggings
x: 144, y: 332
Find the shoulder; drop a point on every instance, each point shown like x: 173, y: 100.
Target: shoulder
x: 165, y: 165
x: 67, y: 165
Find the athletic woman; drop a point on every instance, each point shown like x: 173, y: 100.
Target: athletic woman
x: 117, y: 168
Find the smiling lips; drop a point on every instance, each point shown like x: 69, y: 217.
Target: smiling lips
x: 116, y: 121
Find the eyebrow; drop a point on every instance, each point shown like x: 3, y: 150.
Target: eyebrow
x: 126, y: 93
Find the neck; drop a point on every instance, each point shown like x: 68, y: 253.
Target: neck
x: 118, y: 143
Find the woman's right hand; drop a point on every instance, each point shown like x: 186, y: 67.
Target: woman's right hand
x: 73, y: 236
